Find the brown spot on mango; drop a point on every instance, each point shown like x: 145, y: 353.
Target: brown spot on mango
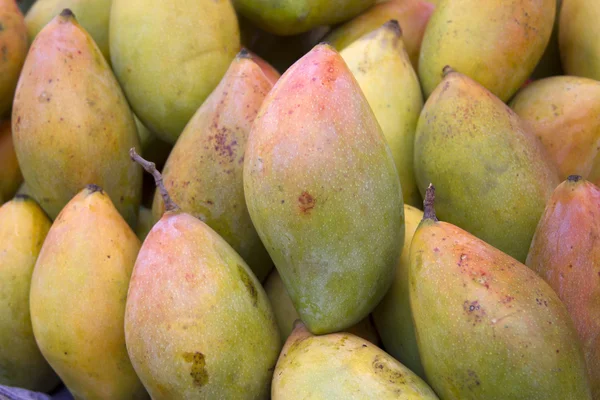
x: 306, y: 202
x: 248, y: 283
x: 381, y: 367
x: 198, y: 369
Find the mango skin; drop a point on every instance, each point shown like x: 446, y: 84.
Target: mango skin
x: 565, y: 252
x: 14, y: 44
x: 393, y: 315
x: 323, y: 192
x: 92, y: 15
x: 169, y: 56
x: 290, y: 17
x: 493, y: 176
x: 77, y: 299
x: 341, y: 366
x: 10, y: 172
x: 203, y: 173
x: 412, y: 15
x: 61, y: 149
x: 497, y: 43
x: 487, y: 326
x: 198, y: 323
x: 380, y: 64
x: 562, y: 111
x: 286, y: 314
x: 578, y: 32
x: 23, y: 228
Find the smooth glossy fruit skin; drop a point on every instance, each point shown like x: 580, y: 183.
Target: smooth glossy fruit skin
x: 78, y: 293
x: 380, y: 64
x: 14, y: 45
x: 565, y: 252
x: 578, y: 32
x: 323, y: 192
x: 493, y: 176
x: 198, y: 323
x: 92, y: 15
x: 71, y: 123
x: 487, y: 326
x: 341, y: 366
x: 10, y: 173
x: 562, y: 111
x: 290, y: 17
x: 412, y: 15
x: 169, y: 56
x: 286, y: 314
x: 393, y: 316
x: 204, y: 171
x: 497, y: 43
x: 23, y: 228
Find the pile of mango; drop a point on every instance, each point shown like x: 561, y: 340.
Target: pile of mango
x: 300, y: 199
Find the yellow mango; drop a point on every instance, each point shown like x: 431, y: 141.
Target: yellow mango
x: 578, y: 32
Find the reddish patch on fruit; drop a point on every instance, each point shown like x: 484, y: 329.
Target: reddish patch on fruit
x: 306, y: 202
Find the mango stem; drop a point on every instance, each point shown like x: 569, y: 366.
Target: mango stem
x: 150, y: 167
x: 428, y: 203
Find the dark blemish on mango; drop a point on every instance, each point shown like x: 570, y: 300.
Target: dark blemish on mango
x: 306, y: 202
x: 198, y: 369
x: 380, y: 367
x: 474, y: 311
x: 249, y: 285
x: 472, y: 380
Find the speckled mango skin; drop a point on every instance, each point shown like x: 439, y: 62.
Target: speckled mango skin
x: 498, y: 43
x: 493, y: 176
x: 13, y: 45
x: 78, y: 293
x: 380, y: 64
x: 487, y: 326
x: 92, y: 15
x: 198, y: 323
x: 341, y: 366
x: 290, y: 17
x: 323, y: 192
x: 23, y: 228
x: 563, y: 112
x: 203, y: 173
x: 71, y: 123
x: 565, y: 251
x: 393, y: 315
x: 169, y: 56
x: 412, y: 15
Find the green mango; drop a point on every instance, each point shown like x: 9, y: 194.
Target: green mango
x: 169, y: 56
x: 198, y: 324
x: 323, y: 192
x: 342, y: 366
x: 493, y: 175
x: 290, y: 17
x: 497, y: 43
x: 71, y: 123
x: 487, y: 326
x: 92, y: 15
x: 23, y: 228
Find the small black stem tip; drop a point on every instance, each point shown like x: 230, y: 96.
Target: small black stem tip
x: 574, y: 178
x: 150, y: 167
x: 447, y: 70
x: 428, y: 203
x: 67, y: 13
x: 394, y: 25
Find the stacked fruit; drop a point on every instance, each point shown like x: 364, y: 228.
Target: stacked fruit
x: 344, y: 199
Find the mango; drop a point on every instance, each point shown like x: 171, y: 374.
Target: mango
x: 198, y: 323
x: 565, y: 252
x: 290, y: 17
x: 412, y: 15
x: 61, y: 148
x: 14, y: 45
x: 578, y: 32
x: 380, y: 64
x: 169, y: 56
x: 23, y: 228
x: 487, y: 326
x: 341, y: 366
x: 323, y: 192
x: 497, y: 43
x: 393, y: 316
x: 145, y: 223
x: 493, y: 175
x: 11, y: 177
x: 78, y: 293
x: 562, y: 111
x: 92, y: 15
x: 203, y: 173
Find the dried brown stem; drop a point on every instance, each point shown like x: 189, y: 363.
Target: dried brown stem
x: 150, y: 167
x: 428, y: 203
